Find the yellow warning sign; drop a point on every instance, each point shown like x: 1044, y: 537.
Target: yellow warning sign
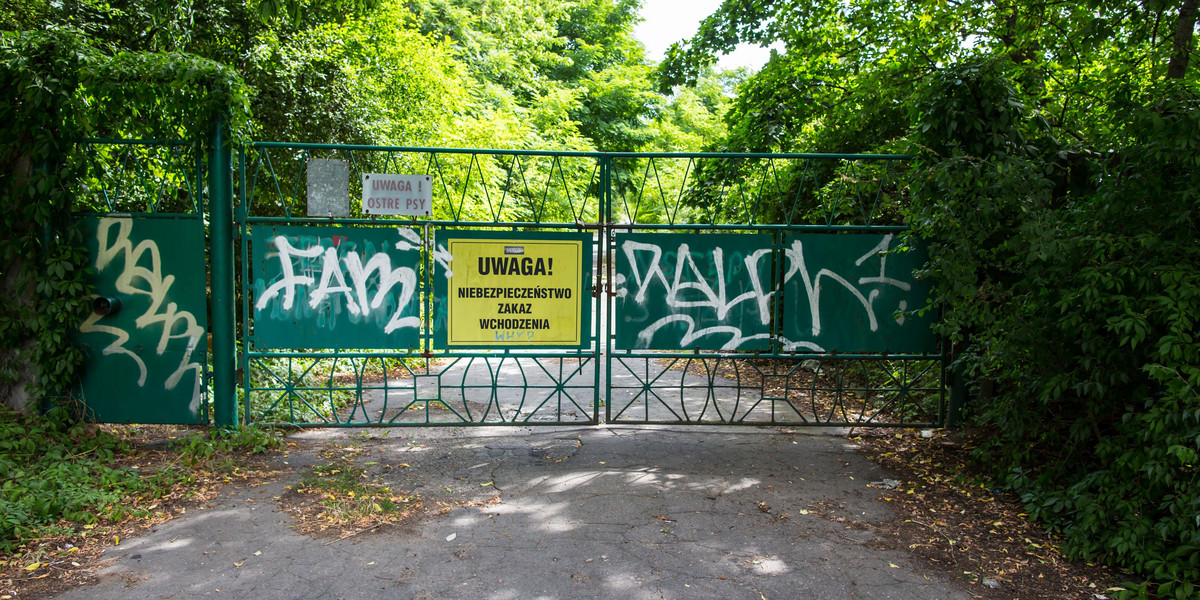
x: 514, y: 292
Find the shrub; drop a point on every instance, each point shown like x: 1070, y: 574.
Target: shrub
x: 1071, y: 276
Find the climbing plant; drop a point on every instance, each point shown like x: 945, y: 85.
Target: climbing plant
x: 64, y: 90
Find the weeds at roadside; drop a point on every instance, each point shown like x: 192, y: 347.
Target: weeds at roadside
x: 341, y: 497
x: 981, y: 536
x: 67, y: 489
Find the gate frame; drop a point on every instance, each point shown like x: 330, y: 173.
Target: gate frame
x: 230, y: 222
x: 611, y: 353
x: 428, y: 225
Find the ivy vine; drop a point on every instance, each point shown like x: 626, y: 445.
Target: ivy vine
x: 63, y: 90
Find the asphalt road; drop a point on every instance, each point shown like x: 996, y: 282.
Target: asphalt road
x: 552, y: 513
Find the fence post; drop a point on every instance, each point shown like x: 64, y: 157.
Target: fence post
x: 956, y: 410
x: 224, y: 353
x: 604, y: 283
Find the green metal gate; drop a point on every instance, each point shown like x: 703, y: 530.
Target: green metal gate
x: 429, y: 286
x: 477, y: 314
x: 766, y: 289
x: 144, y: 342
x: 755, y: 289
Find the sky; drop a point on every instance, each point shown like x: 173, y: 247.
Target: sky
x: 668, y: 21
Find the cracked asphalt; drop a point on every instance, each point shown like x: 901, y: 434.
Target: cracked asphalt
x: 552, y: 513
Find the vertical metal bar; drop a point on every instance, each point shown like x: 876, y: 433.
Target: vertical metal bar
x: 244, y: 233
x: 198, y: 163
x: 778, y: 271
x: 604, y: 343
x: 223, y: 298
x: 427, y: 266
x: 200, y: 208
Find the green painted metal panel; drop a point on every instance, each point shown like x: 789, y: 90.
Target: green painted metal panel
x: 679, y: 291
x: 336, y: 287
x: 144, y: 343
x: 855, y: 293
x: 509, y: 290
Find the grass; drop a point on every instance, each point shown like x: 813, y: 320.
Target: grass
x: 342, y: 494
x: 60, y: 476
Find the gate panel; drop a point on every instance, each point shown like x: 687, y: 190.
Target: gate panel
x: 144, y: 343
x: 855, y: 293
x: 336, y: 287
x: 335, y: 373
x: 766, y: 289
x: 678, y: 291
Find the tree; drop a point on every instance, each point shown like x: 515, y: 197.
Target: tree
x: 847, y: 65
x: 323, y: 72
x: 579, y: 55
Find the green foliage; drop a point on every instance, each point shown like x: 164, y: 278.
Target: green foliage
x: 350, y: 71
x: 691, y: 119
x: 65, y: 90
x: 1072, y: 277
x: 549, y: 75
x: 167, y: 95
x: 297, y: 11
x: 57, y: 473
x: 42, y: 276
x: 218, y: 450
x: 848, y: 69
x: 972, y: 109
x: 363, y: 80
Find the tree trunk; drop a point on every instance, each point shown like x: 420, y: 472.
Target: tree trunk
x: 1182, y: 46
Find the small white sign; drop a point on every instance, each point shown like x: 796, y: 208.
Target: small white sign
x: 388, y: 194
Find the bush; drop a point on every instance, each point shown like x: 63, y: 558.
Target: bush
x: 1071, y: 276
x: 57, y: 473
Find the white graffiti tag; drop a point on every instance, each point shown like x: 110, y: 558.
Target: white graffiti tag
x: 142, y: 275
x: 691, y: 291
x: 443, y: 258
x: 812, y: 283
x: 356, y: 296
x: 715, y: 299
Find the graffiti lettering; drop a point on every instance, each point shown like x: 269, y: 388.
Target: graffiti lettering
x: 721, y: 300
x: 712, y: 294
x: 347, y: 278
x: 142, y: 275
x: 812, y: 283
